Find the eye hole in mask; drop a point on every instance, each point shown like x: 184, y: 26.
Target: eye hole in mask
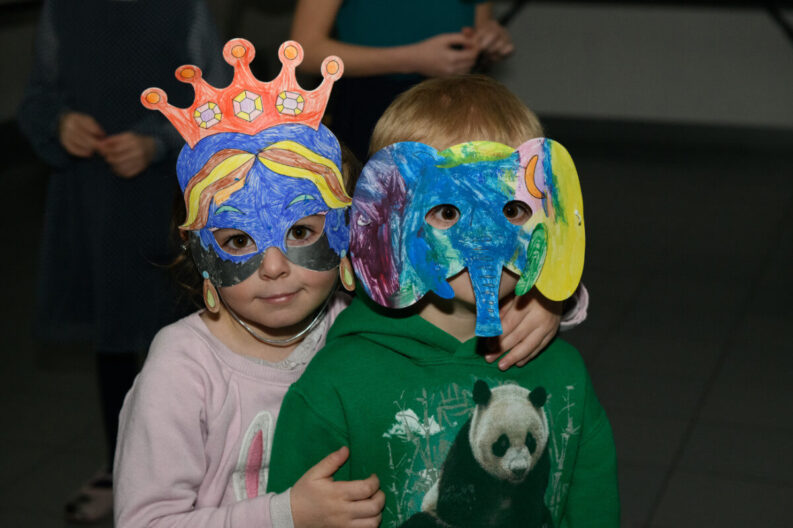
x: 307, y: 244
x: 234, y: 242
x: 442, y: 216
x: 517, y: 212
x: 305, y: 231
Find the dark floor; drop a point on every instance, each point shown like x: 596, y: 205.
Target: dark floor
x: 689, y: 267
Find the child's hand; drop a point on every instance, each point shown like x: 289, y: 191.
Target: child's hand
x: 128, y: 153
x: 79, y: 134
x: 529, y: 323
x: 319, y: 501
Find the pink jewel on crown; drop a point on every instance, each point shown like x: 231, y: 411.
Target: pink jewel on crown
x: 247, y: 105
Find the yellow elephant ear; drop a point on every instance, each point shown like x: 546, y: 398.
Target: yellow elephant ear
x: 564, y: 260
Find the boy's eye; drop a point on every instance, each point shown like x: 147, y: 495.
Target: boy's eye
x: 517, y: 212
x: 234, y: 241
x: 443, y: 216
x: 306, y: 231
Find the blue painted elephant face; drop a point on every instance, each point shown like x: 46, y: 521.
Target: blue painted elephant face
x: 263, y: 185
x: 489, y: 217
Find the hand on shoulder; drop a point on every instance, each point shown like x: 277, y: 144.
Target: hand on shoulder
x: 529, y: 323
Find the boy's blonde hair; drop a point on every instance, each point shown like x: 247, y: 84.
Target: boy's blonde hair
x: 446, y: 111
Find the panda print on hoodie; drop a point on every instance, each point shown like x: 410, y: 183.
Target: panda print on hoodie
x: 496, y: 471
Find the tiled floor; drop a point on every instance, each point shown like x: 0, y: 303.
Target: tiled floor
x: 689, y: 267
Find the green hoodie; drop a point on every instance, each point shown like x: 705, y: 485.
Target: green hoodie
x: 400, y: 393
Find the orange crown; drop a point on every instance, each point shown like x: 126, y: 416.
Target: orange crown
x: 247, y: 105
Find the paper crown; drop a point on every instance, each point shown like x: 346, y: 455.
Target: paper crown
x: 247, y: 105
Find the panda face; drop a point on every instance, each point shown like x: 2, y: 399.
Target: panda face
x: 509, y: 432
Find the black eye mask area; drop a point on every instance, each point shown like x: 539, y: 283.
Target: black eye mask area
x: 307, y: 244
x: 221, y: 272
x: 318, y: 256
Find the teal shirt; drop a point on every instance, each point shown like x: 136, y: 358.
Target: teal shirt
x: 397, y: 390
x: 394, y: 23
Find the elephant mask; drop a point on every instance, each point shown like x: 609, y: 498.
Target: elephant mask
x: 399, y: 256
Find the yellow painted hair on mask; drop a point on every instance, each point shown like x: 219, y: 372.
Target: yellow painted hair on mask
x: 226, y: 171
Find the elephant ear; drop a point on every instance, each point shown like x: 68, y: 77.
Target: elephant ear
x: 379, y: 194
x: 553, y: 191
x: 417, y: 163
x: 381, y: 222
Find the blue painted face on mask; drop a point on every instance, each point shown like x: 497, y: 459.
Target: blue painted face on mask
x: 263, y: 185
x: 420, y: 217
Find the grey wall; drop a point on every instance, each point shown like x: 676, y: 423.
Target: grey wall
x: 716, y: 66
x: 692, y: 65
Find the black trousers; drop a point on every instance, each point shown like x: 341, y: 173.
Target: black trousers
x: 116, y: 372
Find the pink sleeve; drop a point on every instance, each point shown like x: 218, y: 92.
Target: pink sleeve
x: 161, y: 459
x: 575, y: 309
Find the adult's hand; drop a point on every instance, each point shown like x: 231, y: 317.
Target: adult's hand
x: 445, y: 54
x: 79, y: 134
x: 127, y: 153
x: 494, y: 41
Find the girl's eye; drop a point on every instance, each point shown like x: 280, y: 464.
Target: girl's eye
x: 299, y: 233
x: 517, y: 212
x: 307, y: 231
x: 234, y: 242
x: 443, y: 216
x: 239, y: 241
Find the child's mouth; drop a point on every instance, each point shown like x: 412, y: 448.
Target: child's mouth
x: 279, y: 298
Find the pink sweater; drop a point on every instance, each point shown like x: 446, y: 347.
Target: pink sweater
x: 196, y: 430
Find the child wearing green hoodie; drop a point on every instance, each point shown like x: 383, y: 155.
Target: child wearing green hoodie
x: 455, y: 215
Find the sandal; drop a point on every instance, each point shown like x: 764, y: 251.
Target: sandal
x: 93, y: 501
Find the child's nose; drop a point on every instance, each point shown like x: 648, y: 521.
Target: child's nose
x: 274, y: 264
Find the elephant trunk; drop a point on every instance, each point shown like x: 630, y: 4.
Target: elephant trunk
x: 485, y: 278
